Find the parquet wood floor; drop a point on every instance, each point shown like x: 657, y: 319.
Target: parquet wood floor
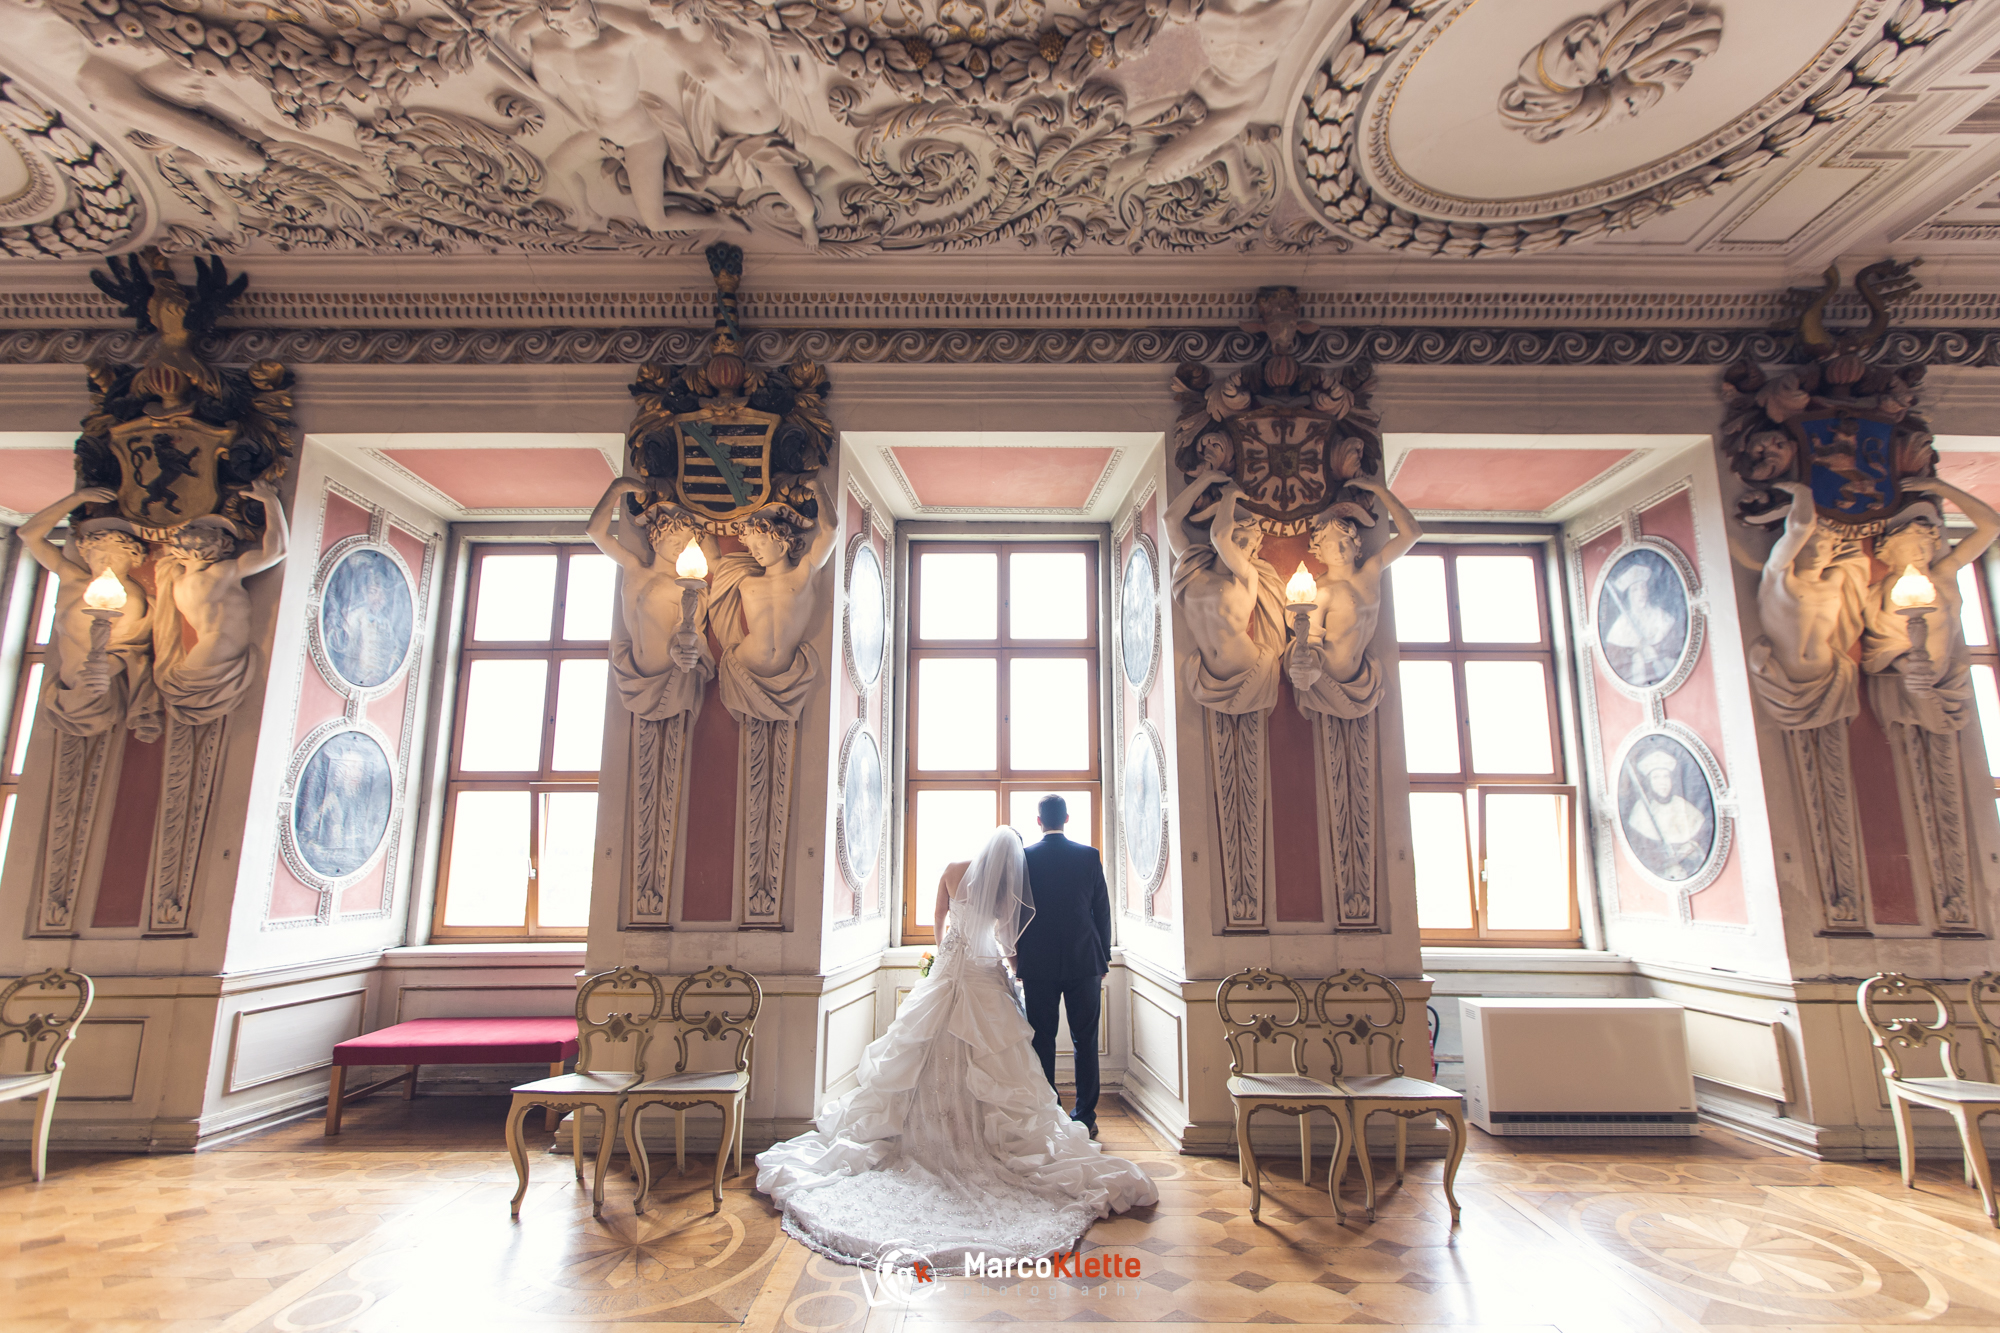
x: 401, y: 1224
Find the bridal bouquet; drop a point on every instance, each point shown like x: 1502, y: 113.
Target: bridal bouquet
x: 924, y: 964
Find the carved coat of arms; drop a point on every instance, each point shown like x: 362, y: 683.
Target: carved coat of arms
x: 1284, y: 461
x: 723, y: 465
x: 1849, y: 460
x: 168, y: 469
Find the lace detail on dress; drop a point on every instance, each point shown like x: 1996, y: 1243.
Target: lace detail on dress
x: 953, y: 1141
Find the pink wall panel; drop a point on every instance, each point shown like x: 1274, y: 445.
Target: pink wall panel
x: 32, y: 479
x: 1003, y: 478
x: 291, y: 900
x: 1507, y: 480
x: 708, y: 886
x: 1672, y: 520
x: 513, y: 479
x: 344, y: 519
x: 121, y: 890
x: 387, y: 712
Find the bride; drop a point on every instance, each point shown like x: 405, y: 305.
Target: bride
x: 954, y: 1138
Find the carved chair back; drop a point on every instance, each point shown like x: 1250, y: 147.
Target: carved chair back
x: 44, y: 1012
x: 1982, y: 991
x: 629, y: 1003
x: 719, y: 1005
x: 1253, y: 1005
x: 1900, y: 1038
x: 1341, y: 1004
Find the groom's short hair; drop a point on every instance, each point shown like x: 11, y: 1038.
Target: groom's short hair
x: 1054, y: 811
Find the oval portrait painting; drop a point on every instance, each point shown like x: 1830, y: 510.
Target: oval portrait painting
x: 861, y: 808
x: 1642, y: 617
x: 867, y: 622
x: 367, y: 618
x: 1138, y: 616
x: 1666, y: 808
x: 341, y: 812
x: 1145, y: 798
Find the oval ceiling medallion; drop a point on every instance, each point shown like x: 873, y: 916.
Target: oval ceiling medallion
x: 1517, y: 126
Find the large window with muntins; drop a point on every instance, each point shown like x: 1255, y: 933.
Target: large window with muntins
x: 527, y: 731
x: 1003, y: 701
x: 1492, y: 812
x: 26, y: 701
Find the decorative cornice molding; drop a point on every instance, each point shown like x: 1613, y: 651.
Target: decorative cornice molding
x: 949, y: 346
x: 947, y: 308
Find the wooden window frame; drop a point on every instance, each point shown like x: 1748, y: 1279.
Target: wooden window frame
x: 1988, y: 656
x: 1472, y: 785
x: 536, y: 782
x: 1003, y: 780
x: 26, y: 700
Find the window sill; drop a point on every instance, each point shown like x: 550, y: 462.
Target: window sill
x: 1491, y: 958
x: 485, y: 953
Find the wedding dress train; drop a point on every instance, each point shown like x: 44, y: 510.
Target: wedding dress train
x: 953, y: 1141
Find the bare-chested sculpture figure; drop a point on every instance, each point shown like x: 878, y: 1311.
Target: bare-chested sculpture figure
x: 1809, y: 600
x: 1243, y: 41
x: 86, y: 699
x: 1331, y: 667
x: 201, y: 582
x: 763, y: 607
x: 1229, y: 597
x: 1937, y: 695
x: 659, y: 663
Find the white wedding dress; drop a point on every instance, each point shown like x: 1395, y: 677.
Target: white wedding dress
x: 953, y: 1141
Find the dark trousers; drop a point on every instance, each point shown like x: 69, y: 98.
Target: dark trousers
x: 1080, y: 998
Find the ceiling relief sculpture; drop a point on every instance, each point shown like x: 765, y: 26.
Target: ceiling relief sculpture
x: 1389, y: 154
x: 573, y: 126
x: 1601, y: 70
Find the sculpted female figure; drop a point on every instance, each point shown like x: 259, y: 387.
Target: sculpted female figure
x: 660, y: 670
x: 85, y: 698
x: 1229, y: 597
x: 1809, y: 601
x: 1331, y: 667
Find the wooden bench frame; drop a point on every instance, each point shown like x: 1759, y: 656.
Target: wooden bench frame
x: 337, y: 1096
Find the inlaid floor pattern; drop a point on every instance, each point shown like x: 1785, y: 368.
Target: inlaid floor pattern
x: 401, y: 1224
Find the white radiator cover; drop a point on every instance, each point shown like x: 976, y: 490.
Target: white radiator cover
x: 1617, y: 1067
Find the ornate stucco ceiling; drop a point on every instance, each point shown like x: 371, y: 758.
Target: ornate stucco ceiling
x: 971, y: 144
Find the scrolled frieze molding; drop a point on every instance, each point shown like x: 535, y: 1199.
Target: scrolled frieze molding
x: 1608, y: 67
x: 1344, y: 164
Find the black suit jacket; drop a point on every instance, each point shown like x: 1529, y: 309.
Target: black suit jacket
x: 1069, y: 937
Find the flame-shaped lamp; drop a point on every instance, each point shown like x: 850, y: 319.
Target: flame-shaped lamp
x: 103, y: 602
x: 1913, y: 596
x: 1301, y: 596
x: 691, y: 572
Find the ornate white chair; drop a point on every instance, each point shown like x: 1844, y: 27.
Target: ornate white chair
x: 728, y: 1000
x: 1251, y: 1005
x: 590, y: 1088
x: 1392, y: 1092
x: 1964, y: 1100
x: 46, y: 1021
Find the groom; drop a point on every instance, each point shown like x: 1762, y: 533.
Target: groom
x: 1066, y: 950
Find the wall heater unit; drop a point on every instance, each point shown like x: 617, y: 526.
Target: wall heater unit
x: 1577, y: 1067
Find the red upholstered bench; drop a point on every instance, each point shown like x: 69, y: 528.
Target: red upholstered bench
x: 448, y: 1041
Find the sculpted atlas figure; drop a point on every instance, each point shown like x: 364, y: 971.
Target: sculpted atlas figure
x: 86, y: 698
x: 1931, y: 689
x: 1224, y: 589
x: 659, y: 663
x: 1331, y: 668
x: 1809, y: 601
x: 200, y: 581
x: 763, y: 607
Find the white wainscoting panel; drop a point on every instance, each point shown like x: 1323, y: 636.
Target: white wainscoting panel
x: 414, y: 1002
x: 1156, y: 1042
x: 848, y: 1029
x: 1743, y: 1053
x: 103, y: 1062
x: 281, y: 1040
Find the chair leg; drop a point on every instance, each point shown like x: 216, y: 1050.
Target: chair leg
x: 576, y: 1142
x: 1246, y: 1157
x: 1367, y: 1165
x: 742, y: 1104
x: 1899, y: 1110
x: 517, y: 1113
x: 333, y: 1093
x: 606, y: 1136
x: 550, y: 1116
x: 45, y: 1114
x: 1339, y: 1160
x: 728, y: 1110
x: 1975, y: 1157
x: 1402, y: 1144
x: 635, y: 1150
x: 1456, y: 1121
x: 1305, y: 1147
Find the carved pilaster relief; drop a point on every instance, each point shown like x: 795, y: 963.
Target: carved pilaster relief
x: 75, y: 790
x: 193, y: 762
